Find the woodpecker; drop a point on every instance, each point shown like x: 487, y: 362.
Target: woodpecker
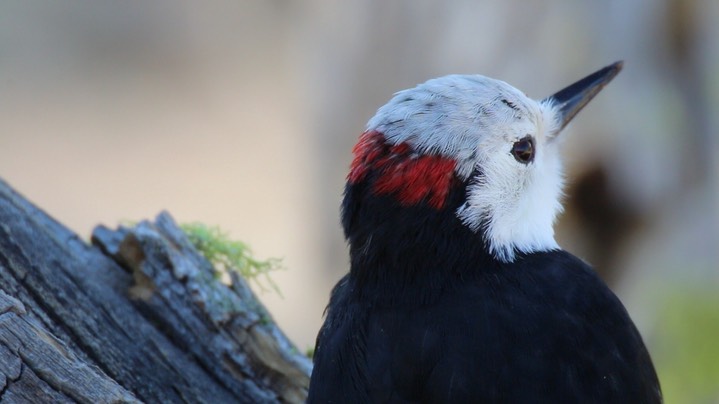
x: 458, y: 291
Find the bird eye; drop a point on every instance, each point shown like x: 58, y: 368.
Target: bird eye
x: 523, y: 150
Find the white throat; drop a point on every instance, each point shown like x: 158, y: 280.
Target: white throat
x: 515, y: 217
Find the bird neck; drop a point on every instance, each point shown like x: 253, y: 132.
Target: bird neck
x: 399, y: 250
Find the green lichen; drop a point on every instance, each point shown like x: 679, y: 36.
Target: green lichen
x: 227, y: 255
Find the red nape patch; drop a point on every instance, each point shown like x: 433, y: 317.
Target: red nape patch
x: 412, y: 178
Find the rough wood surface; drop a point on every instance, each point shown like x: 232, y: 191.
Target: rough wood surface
x: 136, y: 316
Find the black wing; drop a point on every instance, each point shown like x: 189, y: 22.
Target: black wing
x: 544, y: 329
x: 339, y: 373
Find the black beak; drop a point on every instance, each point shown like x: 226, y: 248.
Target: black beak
x: 572, y: 99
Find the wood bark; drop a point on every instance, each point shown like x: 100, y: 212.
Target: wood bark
x: 138, y: 315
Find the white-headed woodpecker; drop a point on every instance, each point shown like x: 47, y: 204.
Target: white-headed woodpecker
x: 458, y: 291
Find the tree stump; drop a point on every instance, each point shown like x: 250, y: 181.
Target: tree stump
x: 136, y: 316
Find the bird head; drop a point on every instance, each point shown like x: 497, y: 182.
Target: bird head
x: 478, y: 138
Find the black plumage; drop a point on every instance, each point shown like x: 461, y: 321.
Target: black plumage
x: 432, y: 311
x: 427, y: 315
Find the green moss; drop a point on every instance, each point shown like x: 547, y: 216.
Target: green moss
x: 226, y: 254
x: 265, y: 319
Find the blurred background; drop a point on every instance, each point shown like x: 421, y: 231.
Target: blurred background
x: 243, y: 113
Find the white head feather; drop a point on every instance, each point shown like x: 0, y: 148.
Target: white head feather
x: 476, y: 120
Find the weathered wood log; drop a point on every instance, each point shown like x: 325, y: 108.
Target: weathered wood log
x: 138, y: 316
